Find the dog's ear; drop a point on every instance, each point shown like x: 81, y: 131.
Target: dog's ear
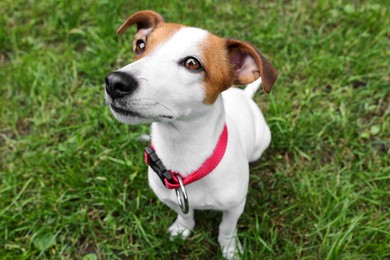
x: 249, y: 64
x: 146, y: 20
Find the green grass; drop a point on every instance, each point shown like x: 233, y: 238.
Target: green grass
x: 72, y: 179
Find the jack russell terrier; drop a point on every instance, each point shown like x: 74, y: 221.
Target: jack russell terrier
x: 203, y: 132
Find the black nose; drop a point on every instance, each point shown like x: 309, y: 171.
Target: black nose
x: 120, y: 84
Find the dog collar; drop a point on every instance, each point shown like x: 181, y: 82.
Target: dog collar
x: 174, y: 180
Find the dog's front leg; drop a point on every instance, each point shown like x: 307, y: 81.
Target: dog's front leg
x: 183, y: 224
x: 227, y: 238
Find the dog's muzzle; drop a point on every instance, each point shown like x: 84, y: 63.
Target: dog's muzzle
x: 120, y: 84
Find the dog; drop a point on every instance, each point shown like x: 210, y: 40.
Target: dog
x: 204, y: 133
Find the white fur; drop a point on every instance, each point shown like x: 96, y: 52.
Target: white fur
x: 185, y: 132
x: 252, y: 88
x: 158, y: 96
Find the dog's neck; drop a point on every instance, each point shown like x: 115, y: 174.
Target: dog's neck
x: 184, y: 145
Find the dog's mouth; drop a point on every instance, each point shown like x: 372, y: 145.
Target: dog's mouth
x: 125, y: 112
x: 166, y: 116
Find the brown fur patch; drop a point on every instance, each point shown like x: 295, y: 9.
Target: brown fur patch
x: 144, y: 19
x: 219, y: 74
x: 238, y: 50
x: 159, y: 35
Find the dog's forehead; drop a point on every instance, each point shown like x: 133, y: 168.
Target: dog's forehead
x: 175, y: 41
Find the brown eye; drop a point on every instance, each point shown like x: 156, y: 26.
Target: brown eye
x: 192, y: 64
x: 140, y: 46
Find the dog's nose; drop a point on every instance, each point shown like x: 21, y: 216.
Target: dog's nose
x: 120, y: 84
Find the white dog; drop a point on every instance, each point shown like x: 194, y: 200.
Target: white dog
x: 203, y: 131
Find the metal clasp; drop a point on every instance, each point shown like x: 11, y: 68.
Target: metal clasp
x: 182, y: 197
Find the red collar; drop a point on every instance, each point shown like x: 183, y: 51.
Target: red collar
x: 169, y: 178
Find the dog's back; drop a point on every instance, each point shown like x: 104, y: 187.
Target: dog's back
x: 242, y: 111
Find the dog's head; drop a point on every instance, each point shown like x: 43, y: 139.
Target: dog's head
x: 179, y: 71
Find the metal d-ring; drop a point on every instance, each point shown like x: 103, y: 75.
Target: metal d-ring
x: 182, y: 197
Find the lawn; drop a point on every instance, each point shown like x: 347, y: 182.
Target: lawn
x: 72, y: 179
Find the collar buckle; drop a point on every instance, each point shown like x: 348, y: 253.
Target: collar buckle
x: 165, y: 176
x: 156, y: 164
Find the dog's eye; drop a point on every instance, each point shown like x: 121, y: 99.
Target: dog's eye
x: 140, y: 46
x: 192, y: 63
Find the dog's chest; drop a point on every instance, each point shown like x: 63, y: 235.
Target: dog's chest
x: 222, y: 188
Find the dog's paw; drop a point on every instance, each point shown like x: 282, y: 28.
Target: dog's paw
x: 231, y: 247
x: 179, y: 230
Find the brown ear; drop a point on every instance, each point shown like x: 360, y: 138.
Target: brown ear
x: 144, y: 19
x: 249, y: 64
